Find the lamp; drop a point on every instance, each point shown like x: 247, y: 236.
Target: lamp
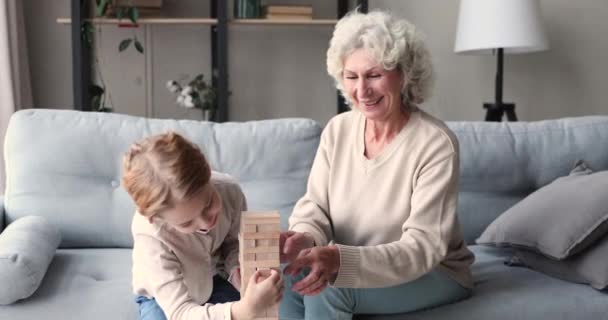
x: 499, y: 26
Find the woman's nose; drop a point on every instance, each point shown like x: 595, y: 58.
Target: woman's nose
x: 362, y: 88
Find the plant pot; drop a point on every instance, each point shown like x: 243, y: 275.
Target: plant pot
x: 247, y: 9
x: 138, y: 3
x: 208, y: 115
x: 146, y: 8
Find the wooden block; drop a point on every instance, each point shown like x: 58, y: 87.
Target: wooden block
x: 249, y: 228
x: 267, y: 243
x: 265, y: 221
x: 267, y: 263
x: 261, y: 235
x: 268, y: 227
x: 255, y: 215
x: 246, y: 273
x: 267, y: 256
x: 249, y: 257
x: 263, y: 249
x: 248, y: 244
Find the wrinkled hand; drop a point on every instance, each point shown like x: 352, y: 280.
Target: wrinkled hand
x: 291, y: 243
x: 324, y: 264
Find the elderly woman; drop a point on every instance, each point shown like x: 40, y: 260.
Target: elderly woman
x: 377, y: 230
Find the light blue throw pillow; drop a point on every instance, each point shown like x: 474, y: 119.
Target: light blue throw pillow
x: 27, y: 247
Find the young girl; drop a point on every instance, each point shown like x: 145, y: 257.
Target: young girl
x: 185, y: 234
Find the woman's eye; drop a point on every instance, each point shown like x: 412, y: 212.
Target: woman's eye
x: 374, y: 76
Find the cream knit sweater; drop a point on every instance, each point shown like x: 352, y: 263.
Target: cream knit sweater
x: 393, y: 217
x: 177, y: 269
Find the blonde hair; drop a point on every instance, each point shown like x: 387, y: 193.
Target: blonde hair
x: 161, y: 170
x: 393, y: 42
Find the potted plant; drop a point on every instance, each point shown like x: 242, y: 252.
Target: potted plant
x: 196, y: 94
x: 131, y: 9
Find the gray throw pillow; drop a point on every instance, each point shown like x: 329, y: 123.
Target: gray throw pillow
x: 589, y: 266
x: 558, y: 220
x: 27, y: 247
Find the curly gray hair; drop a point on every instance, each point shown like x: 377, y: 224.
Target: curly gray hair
x: 393, y: 42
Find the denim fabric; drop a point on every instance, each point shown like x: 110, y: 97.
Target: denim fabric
x: 431, y: 290
x: 223, y: 292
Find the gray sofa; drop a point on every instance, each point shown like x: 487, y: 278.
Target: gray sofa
x: 65, y: 166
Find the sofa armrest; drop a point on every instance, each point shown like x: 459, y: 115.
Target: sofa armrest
x: 1, y: 213
x: 27, y: 247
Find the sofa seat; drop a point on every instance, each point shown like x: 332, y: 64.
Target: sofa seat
x: 81, y: 284
x: 78, y: 278
x: 507, y: 293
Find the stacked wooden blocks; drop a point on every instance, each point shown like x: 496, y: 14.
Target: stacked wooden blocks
x: 259, y: 249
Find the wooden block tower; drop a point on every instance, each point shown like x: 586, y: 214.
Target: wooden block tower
x: 259, y: 249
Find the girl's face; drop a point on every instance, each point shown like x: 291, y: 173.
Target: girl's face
x: 197, y: 214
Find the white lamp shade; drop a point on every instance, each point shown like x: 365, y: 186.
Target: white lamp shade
x: 514, y: 25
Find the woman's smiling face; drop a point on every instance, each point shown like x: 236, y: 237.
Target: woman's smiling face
x: 374, y: 91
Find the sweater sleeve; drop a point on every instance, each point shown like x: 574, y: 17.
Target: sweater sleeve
x: 167, y: 286
x: 311, y: 212
x: 230, y: 246
x: 424, y: 242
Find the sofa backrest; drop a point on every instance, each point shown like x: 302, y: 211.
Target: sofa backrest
x: 502, y: 163
x: 66, y: 165
x: 1, y: 213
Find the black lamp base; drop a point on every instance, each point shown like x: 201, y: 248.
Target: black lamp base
x: 495, y: 111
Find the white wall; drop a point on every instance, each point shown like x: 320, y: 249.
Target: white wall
x: 280, y: 71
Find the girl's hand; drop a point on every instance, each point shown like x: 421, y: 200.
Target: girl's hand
x: 264, y: 290
x: 235, y: 278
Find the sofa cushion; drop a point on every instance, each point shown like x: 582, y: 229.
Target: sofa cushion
x: 91, y: 284
x: 27, y: 246
x: 507, y: 293
x: 501, y: 163
x: 558, y: 220
x: 589, y: 266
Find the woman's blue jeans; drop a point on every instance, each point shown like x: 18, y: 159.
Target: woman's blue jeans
x: 431, y: 290
x: 223, y: 292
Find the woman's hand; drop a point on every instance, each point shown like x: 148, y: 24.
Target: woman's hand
x: 291, y: 243
x: 324, y: 264
x: 264, y: 290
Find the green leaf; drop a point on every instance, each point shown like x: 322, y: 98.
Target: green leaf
x: 138, y: 46
x: 120, y: 13
x: 124, y: 44
x: 133, y: 14
x: 102, y: 7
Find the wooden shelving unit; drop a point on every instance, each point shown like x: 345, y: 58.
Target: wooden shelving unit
x: 219, y: 23
x: 283, y: 22
x: 206, y: 21
x: 159, y: 20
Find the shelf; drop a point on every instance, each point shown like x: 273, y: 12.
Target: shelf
x: 283, y: 22
x: 209, y: 21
